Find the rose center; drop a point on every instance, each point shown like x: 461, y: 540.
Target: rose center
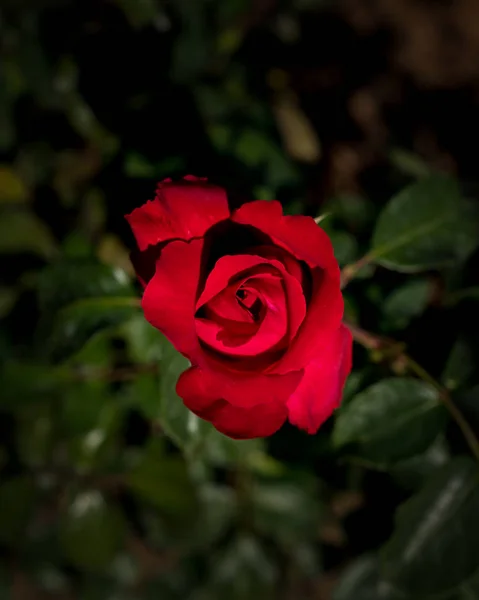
x: 250, y: 302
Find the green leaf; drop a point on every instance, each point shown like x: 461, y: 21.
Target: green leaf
x: 224, y: 451
x: 435, y: 546
x: 95, y: 358
x: 351, y: 309
x: 164, y: 482
x: 469, y: 590
x: 456, y: 296
x: 65, y: 282
x: 12, y: 188
x: 23, y: 231
x: 80, y: 298
x: 138, y: 166
x: 427, y: 225
x: 361, y: 581
x: 218, y: 508
x: 180, y: 424
x: 17, y: 501
x: 27, y: 383
x: 194, y: 44
x: 392, y: 419
x: 91, y: 531
x: 35, y: 434
x: 356, y: 212
x: 468, y: 403
x: 406, y: 302
x: 345, y: 246
x: 353, y: 385
x: 8, y: 297
x: 241, y: 571
x: 81, y: 406
x: 461, y: 365
x: 96, y: 448
x: 77, y: 323
x: 285, y: 511
x: 47, y: 575
x: 409, y: 163
x: 34, y: 64
x: 195, y: 436
x: 145, y: 343
x: 143, y: 395
x: 412, y: 473
x: 139, y: 12
x: 255, y: 149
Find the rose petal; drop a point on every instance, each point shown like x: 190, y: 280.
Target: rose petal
x: 319, y: 392
x: 238, y: 341
x: 225, y: 307
x: 200, y: 388
x: 292, y: 266
x: 200, y: 395
x: 237, y: 422
x: 281, y: 295
x: 226, y: 269
x: 180, y: 210
x: 299, y: 235
x: 308, y: 242
x: 242, y: 424
x: 323, y: 316
x: 296, y: 303
x: 169, y: 298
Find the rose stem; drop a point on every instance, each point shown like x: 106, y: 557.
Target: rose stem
x: 350, y: 271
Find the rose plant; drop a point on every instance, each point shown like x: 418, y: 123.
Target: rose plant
x: 252, y: 298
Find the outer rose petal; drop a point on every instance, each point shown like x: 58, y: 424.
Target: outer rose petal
x: 242, y: 423
x: 181, y: 210
x: 239, y: 422
x: 169, y: 298
x: 200, y: 388
x: 308, y: 242
x: 298, y: 234
x: 319, y: 392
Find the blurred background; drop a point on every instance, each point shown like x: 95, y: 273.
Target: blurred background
x: 109, y: 490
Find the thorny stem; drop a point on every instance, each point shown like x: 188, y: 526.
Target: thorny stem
x: 350, y: 271
x: 373, y: 342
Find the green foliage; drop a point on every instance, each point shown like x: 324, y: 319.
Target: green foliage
x: 427, y: 225
x: 22, y: 231
x: 91, y: 532
x: 62, y: 283
x: 16, y: 506
x: 164, y: 483
x: 110, y: 488
x: 392, y: 419
x: 406, y: 302
x: 79, y: 321
x: 361, y: 581
x: 436, y: 527
x: 181, y: 424
x: 286, y: 510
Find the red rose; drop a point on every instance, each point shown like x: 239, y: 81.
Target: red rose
x: 252, y: 299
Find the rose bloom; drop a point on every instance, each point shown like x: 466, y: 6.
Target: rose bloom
x: 252, y: 298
